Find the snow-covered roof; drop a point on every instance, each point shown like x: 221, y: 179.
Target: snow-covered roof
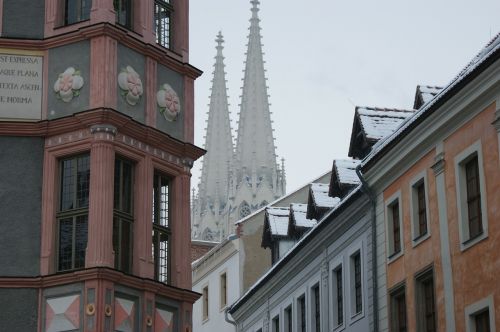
x: 427, y: 92
x: 320, y: 196
x: 378, y: 123
x: 298, y: 213
x: 307, y: 237
x: 492, y: 47
x: 346, y: 170
x: 278, y: 218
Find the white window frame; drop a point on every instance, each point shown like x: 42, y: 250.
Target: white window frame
x: 301, y: 293
x: 203, y: 318
x: 335, y: 264
x: 273, y: 318
x: 478, y: 307
x: 315, y: 280
x: 288, y: 304
x: 353, y: 316
x: 461, y: 191
x: 417, y: 239
x: 392, y: 256
x: 222, y: 307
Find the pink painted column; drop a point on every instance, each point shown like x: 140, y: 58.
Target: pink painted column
x: 102, y: 11
x: 188, y: 110
x: 180, y: 29
x: 49, y: 198
x: 100, y: 224
x: 181, y: 235
x: 103, y: 72
x: 151, y: 89
x: 143, y: 260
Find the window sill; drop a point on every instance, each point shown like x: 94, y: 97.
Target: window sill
x: 393, y: 257
x: 223, y: 308
x: 473, y: 241
x: 356, y: 317
x: 205, y: 320
x: 338, y: 328
x: 419, y: 239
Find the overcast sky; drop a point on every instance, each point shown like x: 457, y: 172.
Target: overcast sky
x: 323, y: 57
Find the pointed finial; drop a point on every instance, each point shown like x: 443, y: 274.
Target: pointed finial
x: 219, y: 40
x: 255, y: 7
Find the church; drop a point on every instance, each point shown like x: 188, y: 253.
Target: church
x: 237, y: 178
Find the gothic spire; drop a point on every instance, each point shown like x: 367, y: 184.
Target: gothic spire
x: 218, y: 142
x: 255, y: 150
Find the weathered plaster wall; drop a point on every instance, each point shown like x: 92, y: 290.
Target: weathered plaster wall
x: 19, y: 309
x: 21, y: 160
x: 23, y: 19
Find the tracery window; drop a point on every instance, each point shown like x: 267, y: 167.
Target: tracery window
x: 244, y: 210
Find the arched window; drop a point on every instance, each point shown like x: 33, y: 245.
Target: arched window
x: 244, y: 209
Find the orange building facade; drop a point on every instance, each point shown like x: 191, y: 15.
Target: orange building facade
x: 436, y: 188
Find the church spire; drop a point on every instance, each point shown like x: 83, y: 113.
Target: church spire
x: 255, y: 148
x: 213, y: 190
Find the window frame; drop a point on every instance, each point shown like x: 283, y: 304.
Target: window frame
x: 205, y: 306
x: 355, y: 315
x: 84, y: 16
x: 121, y: 217
x: 129, y: 13
x: 392, y: 255
x: 420, y: 179
x: 396, y: 292
x: 473, y: 151
x: 73, y: 213
x: 275, y: 323
x: 315, y: 306
x: 337, y: 264
x: 301, y: 312
x: 168, y: 7
x: 472, y: 310
x: 222, y: 290
x: 161, y: 229
x: 288, y: 317
x: 420, y: 300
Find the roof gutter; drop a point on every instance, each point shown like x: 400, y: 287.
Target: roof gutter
x: 226, y: 317
x: 366, y: 189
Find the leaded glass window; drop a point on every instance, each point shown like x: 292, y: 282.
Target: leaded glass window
x: 73, y: 212
x: 161, y: 227
x: 163, y: 22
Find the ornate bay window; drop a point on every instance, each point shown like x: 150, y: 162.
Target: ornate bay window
x: 161, y: 227
x: 72, y: 217
x: 123, y: 214
x: 163, y: 22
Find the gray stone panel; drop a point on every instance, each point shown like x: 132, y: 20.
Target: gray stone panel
x: 175, y: 80
x: 16, y: 16
x: 21, y: 163
x: 75, y: 55
x: 127, y: 57
x: 19, y: 309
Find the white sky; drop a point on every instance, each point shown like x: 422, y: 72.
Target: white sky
x: 325, y: 56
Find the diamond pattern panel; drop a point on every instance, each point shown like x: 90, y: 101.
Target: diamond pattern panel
x: 124, y: 315
x: 164, y: 321
x: 62, y: 313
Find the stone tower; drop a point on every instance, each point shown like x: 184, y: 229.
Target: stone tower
x: 252, y: 177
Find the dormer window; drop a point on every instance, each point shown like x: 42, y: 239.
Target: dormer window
x: 163, y: 18
x: 123, y: 9
x: 76, y: 11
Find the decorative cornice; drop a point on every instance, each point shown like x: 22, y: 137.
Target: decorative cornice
x: 103, y: 128
x: 438, y: 166
x: 150, y: 138
x: 128, y: 38
x: 101, y: 273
